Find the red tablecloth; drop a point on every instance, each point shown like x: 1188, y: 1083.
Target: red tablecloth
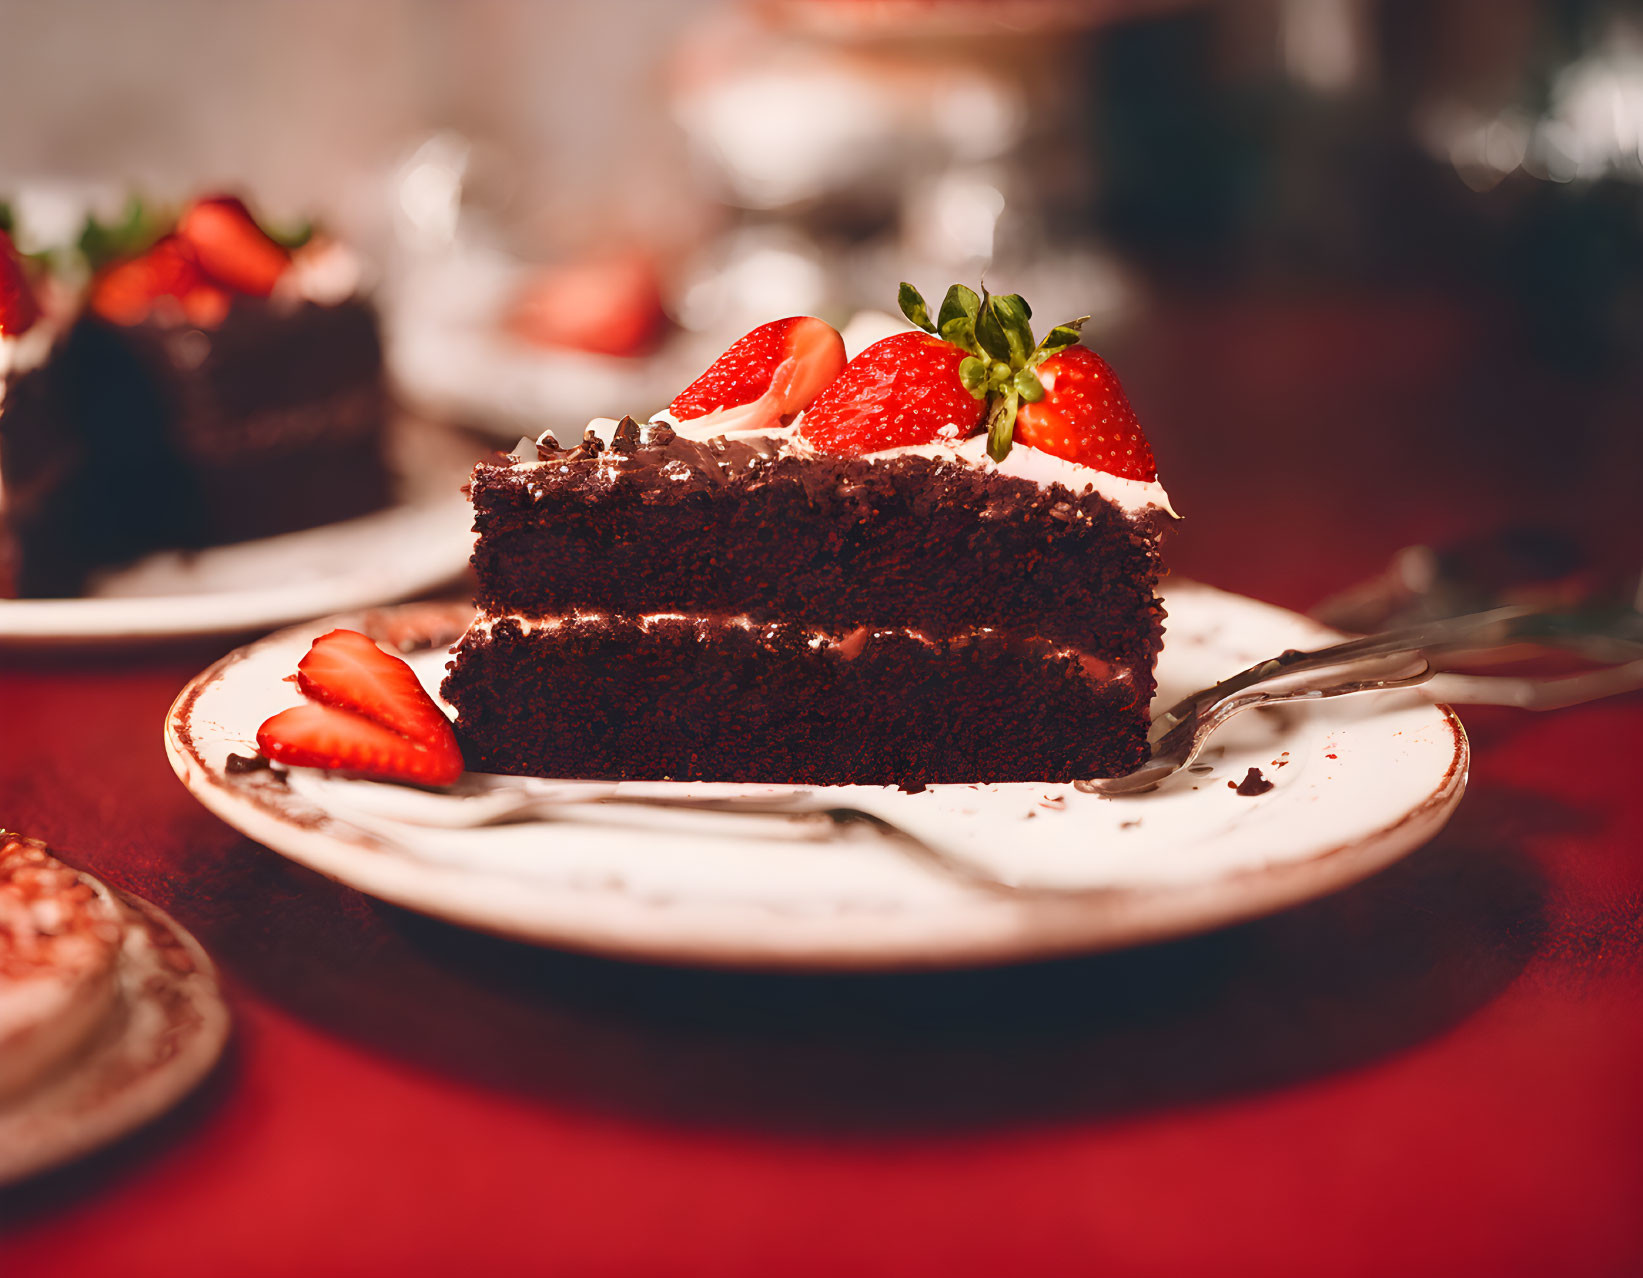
x: 1436, y: 1072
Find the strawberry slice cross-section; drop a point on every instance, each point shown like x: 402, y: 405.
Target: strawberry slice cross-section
x: 368, y: 715
x: 766, y: 378
x: 320, y: 736
x: 346, y: 669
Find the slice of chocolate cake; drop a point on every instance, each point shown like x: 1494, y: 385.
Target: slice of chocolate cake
x: 214, y: 387
x: 827, y: 578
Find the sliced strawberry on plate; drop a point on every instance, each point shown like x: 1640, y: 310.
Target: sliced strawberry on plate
x: 346, y: 669
x: 766, y: 378
x: 18, y: 307
x: 318, y: 736
x: 126, y: 292
x: 368, y: 716
x: 902, y: 391
x: 1085, y: 417
x: 230, y: 247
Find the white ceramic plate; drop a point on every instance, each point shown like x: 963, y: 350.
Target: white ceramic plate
x: 165, y: 1032
x: 1358, y: 782
x: 409, y: 549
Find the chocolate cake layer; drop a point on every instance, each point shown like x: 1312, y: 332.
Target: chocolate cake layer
x: 703, y: 699
x: 44, y: 500
x: 269, y: 422
x: 822, y: 541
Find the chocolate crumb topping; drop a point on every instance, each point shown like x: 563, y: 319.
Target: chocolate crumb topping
x: 1252, y: 784
x: 626, y: 438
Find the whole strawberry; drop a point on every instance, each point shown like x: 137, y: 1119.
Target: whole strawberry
x: 1085, y: 417
x: 230, y: 247
x: 977, y: 361
x: 904, y: 390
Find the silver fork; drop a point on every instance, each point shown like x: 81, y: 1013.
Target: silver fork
x: 1402, y: 658
x: 1395, y: 659
x: 483, y: 800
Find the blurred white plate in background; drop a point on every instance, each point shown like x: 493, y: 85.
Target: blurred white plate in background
x: 408, y: 549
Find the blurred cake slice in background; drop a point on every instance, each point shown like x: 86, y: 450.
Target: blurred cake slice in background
x: 181, y: 382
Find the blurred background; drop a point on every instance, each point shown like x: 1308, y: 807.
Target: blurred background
x: 1354, y: 259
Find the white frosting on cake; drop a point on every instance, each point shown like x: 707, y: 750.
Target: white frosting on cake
x: 1023, y: 462
x: 322, y: 271
x: 1044, y: 469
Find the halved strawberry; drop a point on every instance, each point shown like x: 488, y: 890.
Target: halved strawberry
x: 346, y: 669
x: 18, y: 307
x: 1085, y: 417
x: 125, y: 293
x: 901, y: 391
x: 230, y: 247
x: 766, y: 378
x: 317, y: 736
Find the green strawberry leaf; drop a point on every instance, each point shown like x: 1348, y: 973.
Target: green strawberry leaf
x: 989, y: 332
x: 101, y: 243
x: 956, y: 322
x: 1013, y: 317
x: 972, y: 371
x: 1059, y: 338
x: 8, y: 219
x: 1028, y: 386
x: 913, y: 307
x: 1001, y: 426
x: 997, y: 335
x: 292, y: 236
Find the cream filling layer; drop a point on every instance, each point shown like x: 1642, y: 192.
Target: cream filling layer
x: 1031, y: 464
x: 846, y: 644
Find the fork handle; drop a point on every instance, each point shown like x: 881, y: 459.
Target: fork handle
x: 1395, y: 659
